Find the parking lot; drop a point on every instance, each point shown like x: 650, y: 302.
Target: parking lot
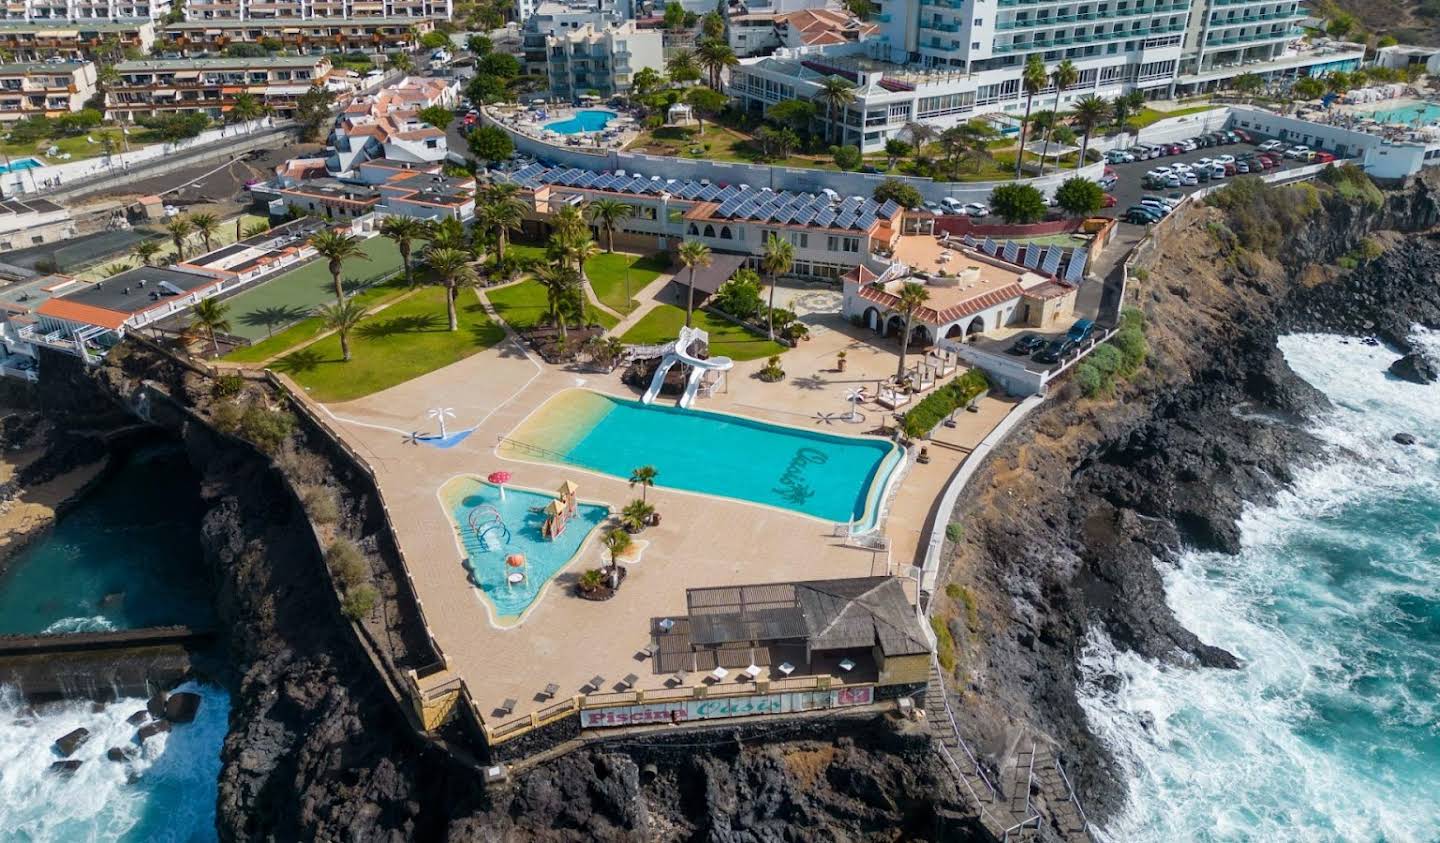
x: 1131, y: 187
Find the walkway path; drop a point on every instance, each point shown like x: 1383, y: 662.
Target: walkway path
x: 649, y: 298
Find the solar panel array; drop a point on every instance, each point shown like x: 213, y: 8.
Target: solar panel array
x: 1052, y: 260
x: 737, y: 202
x: 1075, y: 271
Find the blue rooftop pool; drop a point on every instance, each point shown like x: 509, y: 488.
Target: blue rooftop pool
x: 22, y: 164
x: 588, y: 120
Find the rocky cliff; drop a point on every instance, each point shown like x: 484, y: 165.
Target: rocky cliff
x: 1066, y: 525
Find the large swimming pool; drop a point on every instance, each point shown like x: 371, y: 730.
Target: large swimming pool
x: 492, y: 528
x: 837, y: 478
x: 588, y: 120
x: 22, y: 164
x: 1421, y: 113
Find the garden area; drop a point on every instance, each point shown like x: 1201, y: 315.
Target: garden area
x: 310, y: 327
x: 606, y: 271
x: 525, y: 306
x: 727, y: 339
x: 402, y: 342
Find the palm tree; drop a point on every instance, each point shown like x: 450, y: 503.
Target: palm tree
x: 912, y: 297
x: 146, y: 250
x: 1065, y: 75
x: 255, y: 229
x: 179, y: 228
x: 1033, y: 79
x: 209, y: 315
x: 1247, y: 84
x: 1088, y: 112
x: 452, y: 267
x: 682, y: 66
x: 448, y: 233
x: 636, y: 515
x: 503, y: 212
x: 608, y: 214
x: 562, y: 294
x: 337, y: 247
x: 574, y: 246
x: 693, y: 255
x: 778, y: 258
x: 341, y: 317
x: 714, y: 57
x: 246, y: 108
x: 205, y: 225
x: 1126, y: 105
x: 617, y: 541
x: 644, y: 477
x: 835, y: 92
x: 404, y: 231
x: 570, y: 219
x: 115, y: 269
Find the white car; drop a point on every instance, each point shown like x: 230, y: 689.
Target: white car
x: 1160, y: 172
x: 1271, y: 146
x: 1181, y: 167
x: 1225, y: 159
x: 976, y: 209
x: 1188, y: 145
x: 1118, y: 156
x: 1204, y: 163
x: 1189, y: 179
x: 1296, y: 151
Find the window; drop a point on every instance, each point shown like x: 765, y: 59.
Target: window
x: 709, y: 231
x: 979, y: 21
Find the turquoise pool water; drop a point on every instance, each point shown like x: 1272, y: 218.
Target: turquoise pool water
x: 492, y: 528
x: 1423, y: 113
x: 589, y: 120
x: 837, y: 478
x: 22, y: 164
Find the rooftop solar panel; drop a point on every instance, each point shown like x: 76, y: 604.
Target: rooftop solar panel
x: 710, y: 193
x: 826, y: 217
x: 805, y: 216
x: 690, y: 190
x: 846, y: 220
x: 747, y: 207
x: 870, y: 206
x: 889, y: 208
x: 728, y: 193
x: 727, y: 209
x: 865, y: 221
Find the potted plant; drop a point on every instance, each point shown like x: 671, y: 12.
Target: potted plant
x: 840, y: 361
x: 772, y: 373
x: 636, y: 515
x: 591, y: 580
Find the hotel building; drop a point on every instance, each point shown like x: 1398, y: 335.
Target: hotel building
x: 601, y: 60
x: 83, y: 10
x: 46, y: 89
x: 332, y: 9
x: 364, y: 34
x: 75, y: 40
x: 210, y: 85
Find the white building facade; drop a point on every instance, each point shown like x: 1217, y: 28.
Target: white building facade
x: 601, y: 61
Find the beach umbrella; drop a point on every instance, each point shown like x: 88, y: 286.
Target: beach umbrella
x: 500, y: 478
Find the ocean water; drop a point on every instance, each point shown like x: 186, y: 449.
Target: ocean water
x: 837, y: 478
x: 1331, y: 730
x: 165, y: 795
x: 127, y: 556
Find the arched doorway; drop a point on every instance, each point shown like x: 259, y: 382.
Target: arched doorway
x: 975, y: 328
x: 872, y: 319
x: 919, y: 337
x: 894, y: 325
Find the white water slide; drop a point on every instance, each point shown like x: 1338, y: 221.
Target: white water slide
x: 680, y: 353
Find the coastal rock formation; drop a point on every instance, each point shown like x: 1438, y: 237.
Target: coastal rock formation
x: 67, y: 744
x: 1415, y: 367
x: 1070, y: 524
x: 181, y: 707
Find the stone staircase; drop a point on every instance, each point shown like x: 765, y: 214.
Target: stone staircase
x: 1008, y: 813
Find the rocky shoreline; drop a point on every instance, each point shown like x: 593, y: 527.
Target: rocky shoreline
x: 1068, y: 523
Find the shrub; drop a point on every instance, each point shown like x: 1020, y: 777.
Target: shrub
x: 1080, y: 196
x: 347, y: 563
x: 954, y: 531
x: 1259, y: 214
x: 320, y: 503
x: 944, y: 643
x: 1090, y: 379
x: 740, y: 296
x: 953, y: 591
x: 306, y: 468
x: 772, y: 372
x: 1351, y: 182
x: 1107, y: 359
x: 1130, y: 339
x: 901, y: 192
x: 942, y: 402
x: 359, y: 602
x: 1017, y: 203
x: 267, y: 428
x: 227, y: 386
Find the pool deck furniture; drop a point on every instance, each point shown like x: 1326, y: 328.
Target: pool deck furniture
x: 649, y: 651
x: 629, y: 680
x: 847, y: 665
x: 680, y: 677
x: 786, y: 668
x: 596, y: 683
x: 508, y: 706
x: 551, y: 690
x: 719, y: 674
x: 753, y: 672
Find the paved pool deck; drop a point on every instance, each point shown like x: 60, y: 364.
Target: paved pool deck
x: 701, y: 540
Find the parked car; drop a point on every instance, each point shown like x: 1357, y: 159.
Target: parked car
x: 1225, y: 159
x: 1189, y: 144
x: 1119, y: 156
x: 1108, y: 201
x: 1027, y: 344
x: 1108, y: 182
x: 1189, y: 179
x: 1181, y: 167
x: 953, y: 206
x: 1081, y: 330
x: 976, y: 209
x: 1242, y: 167
x: 1202, y: 175
x: 1218, y: 171
x: 1054, y: 351
x: 1296, y: 151
x: 1168, y: 202
x: 1160, y: 172
x: 1324, y: 157
x: 1308, y: 156
x: 1271, y: 146
x: 1228, y: 168
x: 1174, y: 181
x: 1137, y: 215
x: 1244, y: 136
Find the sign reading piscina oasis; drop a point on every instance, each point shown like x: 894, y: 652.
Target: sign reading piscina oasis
x: 678, y: 711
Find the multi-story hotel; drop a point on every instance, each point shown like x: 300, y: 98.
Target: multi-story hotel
x: 333, y: 9
x: 83, y: 10
x: 945, y: 61
x: 375, y: 34
x: 46, y: 89
x: 210, y: 85
x: 34, y: 40
x: 602, y: 61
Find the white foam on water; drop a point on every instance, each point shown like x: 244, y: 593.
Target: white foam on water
x: 1254, y: 754
x: 167, y: 793
x: 98, y: 623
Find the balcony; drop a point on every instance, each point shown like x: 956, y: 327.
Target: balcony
x: 1284, y: 34
x: 940, y: 27
x: 1254, y: 19
x: 1089, y: 38
x: 1092, y: 16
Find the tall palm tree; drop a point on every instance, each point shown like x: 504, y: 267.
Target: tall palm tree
x: 205, y: 225
x: 145, y: 251
x: 503, y: 212
x: 452, y: 267
x: 341, y: 318
x: 574, y: 246
x: 404, y: 231
x: 913, y: 296
x: 1033, y: 79
x: 562, y: 294
x: 448, y: 233
x: 682, y: 66
x: 608, y: 214
x: 779, y: 256
x: 835, y: 92
x: 1064, y: 76
x: 1088, y: 112
x: 1126, y: 105
x: 179, y: 228
x: 568, y: 220
x: 644, y: 477
x: 714, y: 57
x: 246, y: 108
x: 211, y: 316
x: 337, y: 247
x: 694, y: 255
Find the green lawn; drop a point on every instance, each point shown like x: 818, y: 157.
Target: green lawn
x: 607, y: 274
x: 726, y: 338
x: 310, y: 327
x: 1148, y: 116
x: 402, y: 342
x: 78, y: 147
x: 523, y: 305
x: 526, y: 251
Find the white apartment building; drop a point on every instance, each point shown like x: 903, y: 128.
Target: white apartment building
x: 603, y: 61
x: 199, y: 10
x: 946, y: 61
x: 81, y: 10
x: 45, y: 89
x: 558, y: 17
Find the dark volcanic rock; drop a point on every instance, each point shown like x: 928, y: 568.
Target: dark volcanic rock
x: 181, y: 707
x: 1415, y: 367
x: 156, y: 705
x: 150, y: 730
x: 121, y: 754
x: 1404, y: 438
x: 66, y: 768
x: 137, y: 718
x: 67, y: 744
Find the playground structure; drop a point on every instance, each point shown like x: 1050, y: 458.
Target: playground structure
x: 679, y: 352
x: 559, y: 511
x: 485, y: 521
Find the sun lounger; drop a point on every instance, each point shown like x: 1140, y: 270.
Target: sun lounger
x: 596, y: 683
x: 629, y: 680
x: 551, y: 690
x: 891, y: 399
x: 508, y: 706
x: 719, y: 674
x: 753, y: 671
